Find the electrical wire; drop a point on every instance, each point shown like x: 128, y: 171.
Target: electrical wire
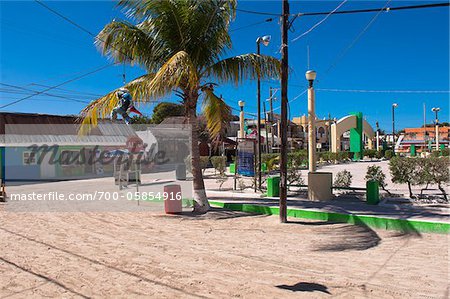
x: 252, y: 25
x: 47, y: 94
x: 61, y: 84
x: 302, y: 14
x: 320, y: 22
x: 382, y: 91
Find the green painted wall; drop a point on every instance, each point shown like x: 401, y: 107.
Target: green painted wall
x: 356, y: 137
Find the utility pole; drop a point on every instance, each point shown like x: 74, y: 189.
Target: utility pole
x: 266, y: 127
x: 284, y: 100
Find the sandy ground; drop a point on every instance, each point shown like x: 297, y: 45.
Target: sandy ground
x: 89, y: 250
x: 221, y: 254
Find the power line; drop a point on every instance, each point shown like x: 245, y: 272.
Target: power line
x: 383, y: 91
x: 61, y: 84
x: 320, y: 22
x: 77, y: 25
x: 302, y: 14
x: 356, y: 39
x: 47, y: 94
x: 69, y: 90
x: 253, y: 24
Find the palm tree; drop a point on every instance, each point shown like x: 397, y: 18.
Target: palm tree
x: 181, y: 44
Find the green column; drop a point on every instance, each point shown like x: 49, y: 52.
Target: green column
x: 356, y: 137
x: 412, y: 150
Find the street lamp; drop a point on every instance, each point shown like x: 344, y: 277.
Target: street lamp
x: 436, y: 110
x: 395, y: 105
x: 311, y: 76
x: 241, y: 119
x: 265, y: 40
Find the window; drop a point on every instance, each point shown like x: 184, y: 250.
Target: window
x: 29, y: 158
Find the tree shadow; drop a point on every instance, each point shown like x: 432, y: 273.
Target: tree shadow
x: 214, y: 214
x: 305, y: 287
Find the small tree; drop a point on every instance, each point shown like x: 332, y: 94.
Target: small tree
x: 219, y: 164
x: 439, y: 172
x: 343, y: 179
x: 375, y: 173
x: 404, y: 171
x: 389, y: 154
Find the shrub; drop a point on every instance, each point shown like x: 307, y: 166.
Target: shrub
x: 371, y: 153
x: 343, y: 179
x: 374, y: 173
x: 219, y: 163
x: 435, y: 154
x: 204, y: 160
x: 389, y: 154
x: 379, y: 154
x: 343, y: 156
x: 445, y: 152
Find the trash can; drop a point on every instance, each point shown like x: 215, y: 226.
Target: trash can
x: 172, y: 199
x: 232, y: 168
x: 180, y: 173
x: 273, y: 186
x: 372, y: 193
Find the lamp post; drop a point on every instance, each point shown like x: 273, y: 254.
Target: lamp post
x: 265, y: 40
x: 436, y: 110
x: 241, y: 119
x: 395, y: 105
x: 378, y: 136
x: 311, y: 76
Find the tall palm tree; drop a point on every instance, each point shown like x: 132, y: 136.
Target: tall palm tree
x: 182, y: 45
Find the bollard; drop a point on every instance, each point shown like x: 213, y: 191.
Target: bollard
x: 372, y: 193
x: 180, y: 173
x: 273, y: 186
x: 172, y: 202
x: 263, y: 167
x: 233, y: 168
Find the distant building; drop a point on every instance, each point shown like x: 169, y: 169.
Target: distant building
x: 423, y: 138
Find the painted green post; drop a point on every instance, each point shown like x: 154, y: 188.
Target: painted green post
x: 273, y: 186
x: 263, y: 167
x: 412, y: 150
x: 356, y: 137
x: 232, y: 168
x: 372, y: 193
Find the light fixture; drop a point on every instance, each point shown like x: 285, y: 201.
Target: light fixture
x: 241, y: 103
x: 435, y: 109
x: 310, y: 75
x: 265, y: 40
x: 395, y: 105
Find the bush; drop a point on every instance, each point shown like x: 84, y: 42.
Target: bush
x: 370, y: 153
x: 374, y: 173
x: 379, y: 154
x: 204, y: 160
x: 404, y: 171
x: 343, y: 156
x: 219, y: 163
x: 445, y: 152
x: 343, y: 179
x: 389, y: 154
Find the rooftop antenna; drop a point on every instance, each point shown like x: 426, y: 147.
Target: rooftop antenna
x: 307, y: 55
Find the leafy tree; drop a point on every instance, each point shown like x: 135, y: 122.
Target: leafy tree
x: 388, y: 154
x: 404, y: 171
x: 375, y: 173
x: 164, y: 110
x: 343, y: 179
x: 436, y: 171
x: 182, y: 45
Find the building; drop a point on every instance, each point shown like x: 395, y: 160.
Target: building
x: 423, y: 139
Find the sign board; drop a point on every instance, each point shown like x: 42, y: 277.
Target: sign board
x: 246, y: 157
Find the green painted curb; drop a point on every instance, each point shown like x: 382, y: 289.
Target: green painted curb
x: 402, y: 225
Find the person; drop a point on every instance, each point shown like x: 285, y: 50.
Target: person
x: 125, y: 102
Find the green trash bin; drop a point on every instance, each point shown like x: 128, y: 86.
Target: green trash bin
x: 372, y: 193
x: 273, y: 186
x: 232, y: 168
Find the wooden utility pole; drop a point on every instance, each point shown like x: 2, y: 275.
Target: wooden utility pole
x: 271, y: 119
x: 284, y: 100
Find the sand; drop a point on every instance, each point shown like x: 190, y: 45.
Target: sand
x: 218, y: 255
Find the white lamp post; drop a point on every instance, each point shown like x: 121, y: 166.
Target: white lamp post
x: 241, y: 119
x: 311, y: 76
x: 436, y: 110
x: 395, y: 105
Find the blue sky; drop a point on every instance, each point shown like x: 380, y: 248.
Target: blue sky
x: 401, y: 50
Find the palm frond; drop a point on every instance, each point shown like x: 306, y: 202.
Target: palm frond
x: 102, y: 107
x: 217, y: 114
x: 243, y: 67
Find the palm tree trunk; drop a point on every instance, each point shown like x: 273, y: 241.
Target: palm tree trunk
x: 201, y: 204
